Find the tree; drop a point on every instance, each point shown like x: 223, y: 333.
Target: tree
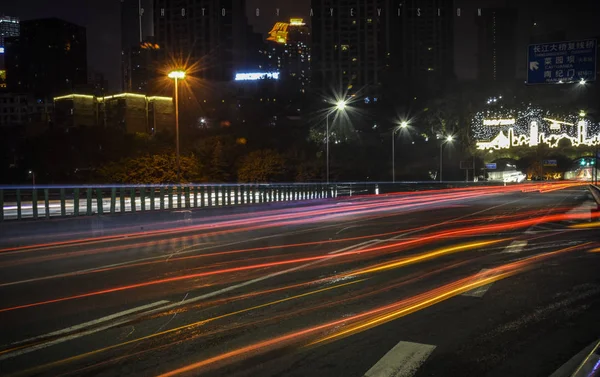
x: 264, y: 165
x: 151, y: 169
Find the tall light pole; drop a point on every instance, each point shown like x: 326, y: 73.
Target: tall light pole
x: 448, y: 140
x: 339, y: 106
x: 402, y: 125
x: 177, y: 75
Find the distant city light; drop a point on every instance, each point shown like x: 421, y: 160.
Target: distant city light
x: 1, y: 50
x: 297, y: 22
x: 256, y: 76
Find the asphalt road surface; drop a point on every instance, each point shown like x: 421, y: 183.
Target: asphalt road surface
x: 489, y: 281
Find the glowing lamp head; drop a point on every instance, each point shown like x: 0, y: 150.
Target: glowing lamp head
x: 582, y: 82
x: 449, y: 138
x: 582, y: 113
x: 404, y: 124
x: 177, y: 75
x: 340, y: 105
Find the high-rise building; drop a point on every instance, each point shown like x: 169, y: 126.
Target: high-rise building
x: 48, y: 58
x: 208, y: 36
x: 420, y: 46
x: 288, y: 52
x: 137, y: 27
x: 497, y: 47
x: 9, y: 27
x: 348, y: 48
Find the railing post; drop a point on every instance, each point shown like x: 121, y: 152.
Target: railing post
x: 132, y: 199
x: 187, y: 196
x: 47, y: 203
x: 152, y: 195
x: 209, y: 195
x: 170, y: 196
x: 142, y: 198
x: 202, y: 196
x: 178, y: 196
x: 76, y: 201
x: 195, y: 196
x: 34, y: 203
x: 63, y: 211
x: 18, y: 204
x: 113, y: 200
x: 99, y: 202
x: 88, y: 205
x: 161, y: 192
x: 2, y: 205
x: 122, y: 199
x: 228, y: 195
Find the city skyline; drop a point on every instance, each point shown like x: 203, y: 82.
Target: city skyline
x: 104, y: 52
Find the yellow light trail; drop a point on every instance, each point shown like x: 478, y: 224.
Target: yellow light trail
x: 585, y: 225
x: 165, y: 332
x: 425, y: 256
x: 416, y: 303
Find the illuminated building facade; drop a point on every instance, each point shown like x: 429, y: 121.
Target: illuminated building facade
x: 288, y: 53
x: 531, y: 127
x: 129, y: 112
x: 208, y: 35
x: 48, y: 58
x: 9, y: 27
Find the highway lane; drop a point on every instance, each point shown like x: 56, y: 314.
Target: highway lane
x: 316, y: 291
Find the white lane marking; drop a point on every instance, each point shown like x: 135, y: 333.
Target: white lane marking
x: 401, y: 361
x: 586, y: 207
x: 58, y: 341
x: 95, y: 321
x: 576, y: 362
x: 515, y: 247
x: 168, y: 307
x: 479, y: 291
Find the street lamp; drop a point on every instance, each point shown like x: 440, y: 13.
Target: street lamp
x: 32, y: 177
x: 339, y: 106
x: 448, y: 140
x: 177, y: 75
x: 403, y: 125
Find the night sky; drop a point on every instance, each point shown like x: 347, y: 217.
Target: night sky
x: 102, y: 20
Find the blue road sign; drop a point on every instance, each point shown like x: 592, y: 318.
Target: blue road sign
x: 549, y: 162
x: 490, y: 166
x: 561, y: 62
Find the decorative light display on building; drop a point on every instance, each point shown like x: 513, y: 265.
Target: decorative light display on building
x: 530, y: 127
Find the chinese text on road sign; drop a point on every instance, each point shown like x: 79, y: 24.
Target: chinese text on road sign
x: 562, y: 62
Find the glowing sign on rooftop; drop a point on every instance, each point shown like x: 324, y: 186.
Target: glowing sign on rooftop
x: 252, y: 76
x: 297, y: 22
x: 498, y: 122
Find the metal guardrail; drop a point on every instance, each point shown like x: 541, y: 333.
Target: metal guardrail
x: 595, y: 191
x: 39, y: 202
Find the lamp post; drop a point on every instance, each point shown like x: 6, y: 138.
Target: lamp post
x: 339, y: 106
x: 448, y: 140
x: 177, y: 75
x: 402, y: 125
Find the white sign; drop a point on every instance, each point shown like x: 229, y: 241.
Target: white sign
x: 498, y: 122
x: 1, y: 50
x: 256, y: 76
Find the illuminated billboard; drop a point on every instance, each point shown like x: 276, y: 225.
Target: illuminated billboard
x: 532, y: 127
x: 253, y: 76
x: 1, y: 50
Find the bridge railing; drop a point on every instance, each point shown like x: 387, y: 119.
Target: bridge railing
x: 27, y: 202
